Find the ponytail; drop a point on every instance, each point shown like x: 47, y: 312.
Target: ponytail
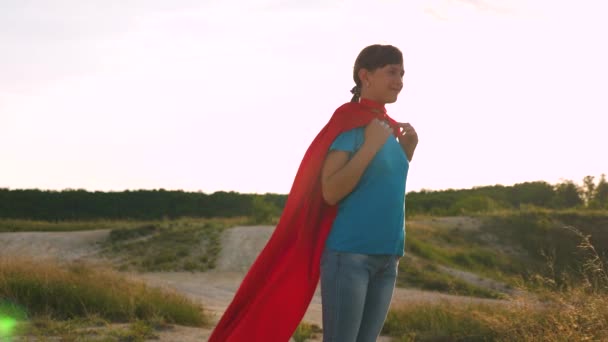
x: 356, y: 91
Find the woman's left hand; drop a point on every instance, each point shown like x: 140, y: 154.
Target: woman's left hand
x: 408, y: 136
x: 408, y: 139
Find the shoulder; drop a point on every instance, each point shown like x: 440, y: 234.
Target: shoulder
x: 347, y: 135
x: 349, y: 140
x: 349, y: 115
x: 347, y: 108
x: 345, y: 112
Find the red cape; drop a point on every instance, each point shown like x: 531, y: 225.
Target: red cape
x: 275, y: 294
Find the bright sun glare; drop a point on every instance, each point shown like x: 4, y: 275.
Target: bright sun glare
x: 7, y: 325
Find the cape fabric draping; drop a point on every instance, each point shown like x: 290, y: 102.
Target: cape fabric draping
x: 275, y: 294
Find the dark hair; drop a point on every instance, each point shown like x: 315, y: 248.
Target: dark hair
x: 371, y: 58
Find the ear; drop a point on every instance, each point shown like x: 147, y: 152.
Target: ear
x: 363, y: 76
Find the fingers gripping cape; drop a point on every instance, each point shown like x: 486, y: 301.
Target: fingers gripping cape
x: 275, y: 293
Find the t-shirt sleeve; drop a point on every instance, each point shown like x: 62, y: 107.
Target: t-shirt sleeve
x: 346, y: 141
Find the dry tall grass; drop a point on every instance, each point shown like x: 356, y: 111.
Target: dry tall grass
x: 572, y: 316
x: 45, y: 288
x: 578, y: 312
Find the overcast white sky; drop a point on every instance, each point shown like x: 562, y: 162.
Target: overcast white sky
x: 227, y: 95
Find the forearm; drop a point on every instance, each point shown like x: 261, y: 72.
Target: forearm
x: 342, y: 183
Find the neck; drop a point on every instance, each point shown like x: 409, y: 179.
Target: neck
x: 372, y: 99
x: 368, y: 102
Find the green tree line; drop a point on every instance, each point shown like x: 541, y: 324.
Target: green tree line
x: 71, y: 204
x: 564, y: 195
x: 80, y: 204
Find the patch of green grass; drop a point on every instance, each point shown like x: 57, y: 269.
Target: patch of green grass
x: 306, y: 331
x: 139, y: 331
x: 427, y: 276
x: 455, y: 248
x: 425, y: 249
x: 88, y: 329
x: 77, y: 329
x: 13, y: 225
x: 43, y: 288
x: 181, y: 245
x: 443, y: 322
x: 21, y: 225
x: 121, y: 234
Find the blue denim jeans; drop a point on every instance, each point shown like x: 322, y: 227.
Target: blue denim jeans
x: 356, y: 292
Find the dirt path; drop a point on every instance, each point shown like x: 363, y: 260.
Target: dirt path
x: 240, y: 247
x: 216, y: 288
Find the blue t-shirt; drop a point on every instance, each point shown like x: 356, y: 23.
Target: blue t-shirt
x: 371, y: 219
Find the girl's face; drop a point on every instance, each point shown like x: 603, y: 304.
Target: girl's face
x: 385, y: 83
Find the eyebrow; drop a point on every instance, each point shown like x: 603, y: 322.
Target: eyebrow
x: 398, y: 68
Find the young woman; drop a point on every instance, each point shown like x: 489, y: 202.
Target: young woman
x: 343, y: 222
x: 364, y: 174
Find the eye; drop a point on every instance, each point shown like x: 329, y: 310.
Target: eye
x: 395, y: 71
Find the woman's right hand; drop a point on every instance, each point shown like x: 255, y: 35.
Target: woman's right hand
x: 376, y: 134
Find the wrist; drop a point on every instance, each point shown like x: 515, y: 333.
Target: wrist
x: 369, y: 150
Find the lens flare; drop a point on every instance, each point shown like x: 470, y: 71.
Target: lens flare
x: 7, y: 326
x: 10, y: 316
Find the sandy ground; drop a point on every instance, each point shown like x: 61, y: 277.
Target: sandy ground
x: 62, y: 246
x: 214, y: 289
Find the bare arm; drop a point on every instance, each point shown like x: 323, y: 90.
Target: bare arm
x: 340, y: 175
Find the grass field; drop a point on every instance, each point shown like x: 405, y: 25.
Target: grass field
x: 556, y: 259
